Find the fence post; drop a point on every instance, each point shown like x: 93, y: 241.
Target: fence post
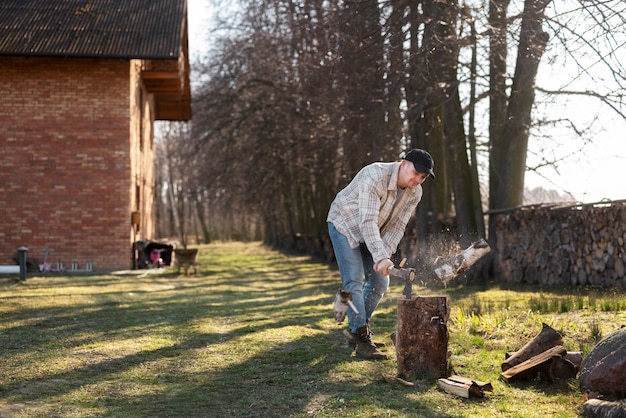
x: 22, y: 261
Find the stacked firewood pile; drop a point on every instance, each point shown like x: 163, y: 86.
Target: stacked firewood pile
x: 573, y: 245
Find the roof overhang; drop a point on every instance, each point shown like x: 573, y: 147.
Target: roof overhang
x: 168, y: 81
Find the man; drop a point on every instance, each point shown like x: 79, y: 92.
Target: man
x: 366, y: 221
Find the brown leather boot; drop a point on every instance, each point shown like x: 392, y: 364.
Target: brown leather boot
x: 365, y: 348
x: 352, y: 338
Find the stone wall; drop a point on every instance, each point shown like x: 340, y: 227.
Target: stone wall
x: 581, y: 245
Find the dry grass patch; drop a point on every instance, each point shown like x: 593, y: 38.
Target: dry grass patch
x: 252, y: 334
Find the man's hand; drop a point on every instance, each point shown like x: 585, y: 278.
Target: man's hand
x: 383, y: 266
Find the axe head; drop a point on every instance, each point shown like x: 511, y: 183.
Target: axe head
x: 408, y: 275
x: 402, y: 273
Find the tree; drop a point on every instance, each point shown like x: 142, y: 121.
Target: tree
x: 510, y: 141
x: 297, y: 95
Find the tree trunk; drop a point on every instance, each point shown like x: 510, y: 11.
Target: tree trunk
x: 425, y: 114
x: 200, y: 213
x: 532, y: 44
x: 456, y: 150
x: 497, y: 101
x: 471, y: 140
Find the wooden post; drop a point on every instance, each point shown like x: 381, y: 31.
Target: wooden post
x: 422, y: 337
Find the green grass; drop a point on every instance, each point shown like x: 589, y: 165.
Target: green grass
x: 252, y: 334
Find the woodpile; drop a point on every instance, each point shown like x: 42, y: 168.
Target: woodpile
x: 576, y: 245
x: 543, y: 356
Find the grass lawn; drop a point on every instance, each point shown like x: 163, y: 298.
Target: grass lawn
x: 253, y: 335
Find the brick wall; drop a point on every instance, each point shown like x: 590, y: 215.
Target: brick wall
x: 65, y: 173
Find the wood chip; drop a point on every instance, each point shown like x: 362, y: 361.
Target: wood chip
x: 395, y: 379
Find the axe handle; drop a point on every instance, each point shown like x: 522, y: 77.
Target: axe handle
x: 353, y: 307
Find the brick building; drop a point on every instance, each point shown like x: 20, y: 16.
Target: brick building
x: 82, y: 83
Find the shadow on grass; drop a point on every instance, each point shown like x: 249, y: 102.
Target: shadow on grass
x: 69, y: 347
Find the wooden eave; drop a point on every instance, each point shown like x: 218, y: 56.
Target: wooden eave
x: 168, y: 81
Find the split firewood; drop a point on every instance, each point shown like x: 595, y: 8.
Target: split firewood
x: 536, y: 364
x: 343, y: 301
x: 483, y: 386
x: 546, y: 339
x: 575, y: 357
x: 464, y: 387
x: 454, y: 388
x: 456, y: 265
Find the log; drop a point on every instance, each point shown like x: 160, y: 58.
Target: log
x: 547, y: 338
x: 462, y: 262
x: 575, y: 357
x: 464, y: 387
x: 596, y: 408
x: 559, y: 368
x: 421, y: 337
x: 454, y: 388
x: 531, y: 367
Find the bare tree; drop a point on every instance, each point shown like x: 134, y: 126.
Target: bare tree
x: 297, y: 95
x: 173, y: 177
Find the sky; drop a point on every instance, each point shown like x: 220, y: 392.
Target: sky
x: 593, y: 174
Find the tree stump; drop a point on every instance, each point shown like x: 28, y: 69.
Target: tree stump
x: 422, y: 337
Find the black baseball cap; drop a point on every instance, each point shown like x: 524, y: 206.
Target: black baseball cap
x: 422, y: 161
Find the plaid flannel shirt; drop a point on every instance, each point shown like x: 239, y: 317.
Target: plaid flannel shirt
x: 362, y: 211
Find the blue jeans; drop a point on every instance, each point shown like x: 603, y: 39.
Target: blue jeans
x: 358, y: 276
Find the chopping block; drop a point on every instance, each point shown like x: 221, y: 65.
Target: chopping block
x: 421, y: 338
